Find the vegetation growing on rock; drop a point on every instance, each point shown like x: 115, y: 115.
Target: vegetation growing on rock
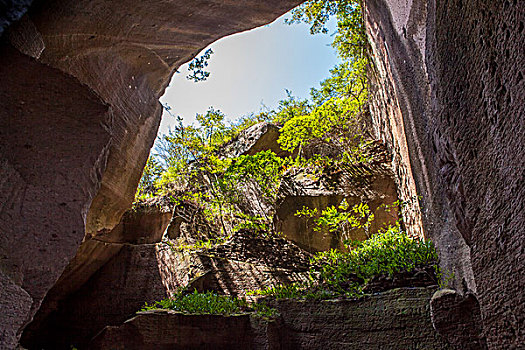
x: 324, y: 134
x: 346, y: 274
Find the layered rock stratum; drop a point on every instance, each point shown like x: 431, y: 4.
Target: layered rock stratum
x: 80, y: 83
x: 80, y: 111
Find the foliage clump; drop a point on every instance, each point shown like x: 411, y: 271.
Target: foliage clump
x: 210, y: 303
x: 345, y: 274
x: 201, y: 303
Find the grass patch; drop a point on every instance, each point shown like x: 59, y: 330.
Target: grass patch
x: 210, y: 303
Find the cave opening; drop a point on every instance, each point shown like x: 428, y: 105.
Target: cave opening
x: 288, y: 203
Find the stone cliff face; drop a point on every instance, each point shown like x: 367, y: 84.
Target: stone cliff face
x: 80, y: 83
x: 371, y: 183
x: 448, y: 98
x: 394, y: 320
x: 80, y: 112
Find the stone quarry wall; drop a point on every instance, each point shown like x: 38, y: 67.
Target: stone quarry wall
x: 370, y: 183
x: 80, y: 88
x: 150, y: 271
x: 398, y: 319
x: 80, y: 83
x: 448, y: 98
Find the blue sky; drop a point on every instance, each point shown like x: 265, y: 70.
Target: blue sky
x: 252, y: 68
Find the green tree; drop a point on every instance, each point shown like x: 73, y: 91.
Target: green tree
x: 350, y: 38
x: 197, y: 67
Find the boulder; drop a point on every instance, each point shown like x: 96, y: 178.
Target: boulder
x: 457, y: 318
x: 258, y: 137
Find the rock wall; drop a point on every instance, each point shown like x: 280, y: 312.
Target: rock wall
x: 398, y: 319
x: 150, y: 272
x: 79, y: 114
x: 448, y: 98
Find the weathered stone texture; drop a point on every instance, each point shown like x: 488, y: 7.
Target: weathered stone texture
x: 151, y: 272
x: 399, y: 319
x: 371, y: 183
x: 112, y: 295
x: 458, y: 319
x: 259, y: 137
x: 77, y: 124
x: 54, y: 135
x: 143, y: 225
x: 449, y: 98
x: 159, y: 330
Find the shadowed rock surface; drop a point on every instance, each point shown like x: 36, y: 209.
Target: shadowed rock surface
x: 134, y: 237
x: 80, y: 112
x: 11, y: 11
x: 458, y: 319
x: 141, y: 273
x: 399, y: 319
x: 94, y: 90
x: 50, y: 167
x: 448, y: 98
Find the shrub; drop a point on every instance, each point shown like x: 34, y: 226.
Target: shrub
x: 335, y: 273
x: 201, y: 303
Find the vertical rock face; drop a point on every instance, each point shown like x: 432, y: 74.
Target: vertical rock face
x: 54, y: 135
x: 398, y: 319
x: 449, y: 100
x: 77, y: 123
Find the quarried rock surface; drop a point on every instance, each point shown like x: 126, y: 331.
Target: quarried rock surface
x: 448, y: 97
x: 162, y: 329
x: 398, y: 319
x: 11, y: 11
x: 151, y: 272
x: 371, y: 183
x: 77, y: 123
x: 458, y: 319
x: 108, y: 280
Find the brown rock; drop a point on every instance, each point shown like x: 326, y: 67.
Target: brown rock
x: 448, y: 97
x: 258, y: 137
x: 71, y: 158
x: 144, y: 224
x: 141, y: 225
x: 54, y: 143
x: 362, y: 183
x: 110, y: 296
x: 458, y: 319
x: 170, y: 330
x: 399, y: 319
x: 151, y: 272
